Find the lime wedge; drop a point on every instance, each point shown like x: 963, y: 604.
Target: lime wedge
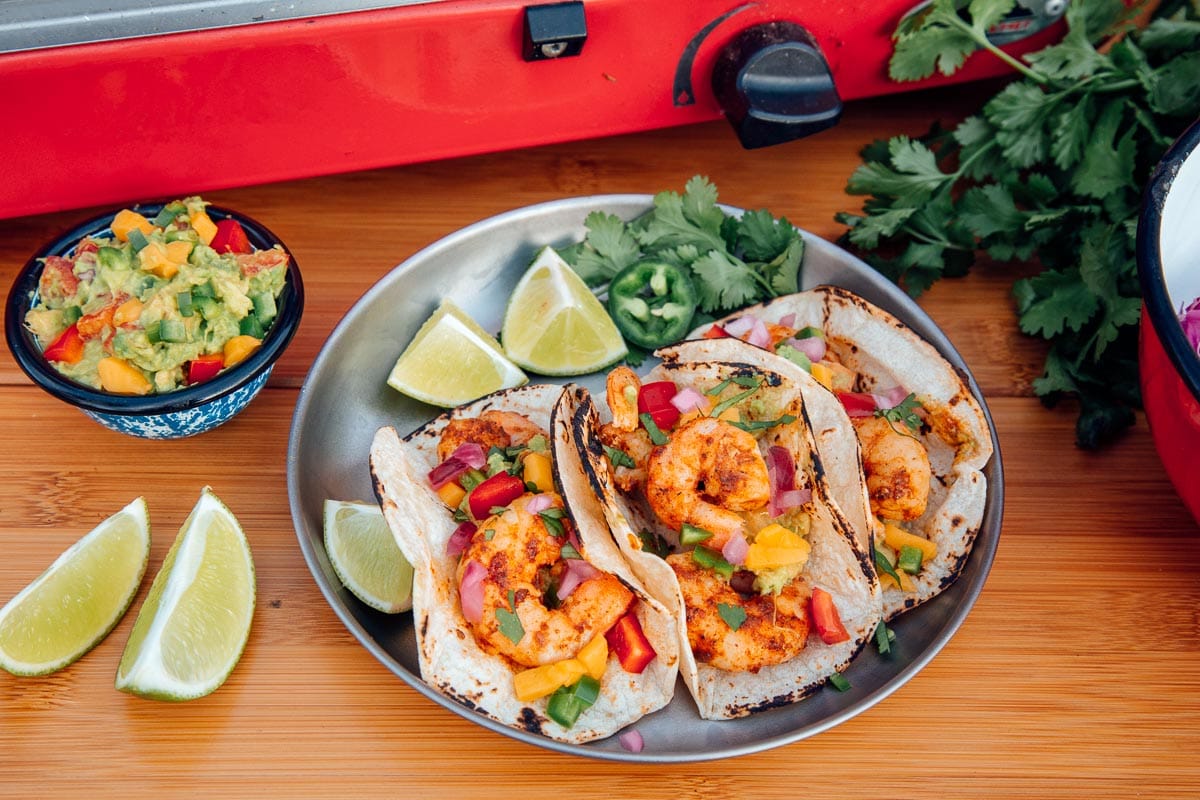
x: 554, y: 325
x: 365, y: 556
x: 193, y: 626
x: 71, y: 606
x: 452, y: 361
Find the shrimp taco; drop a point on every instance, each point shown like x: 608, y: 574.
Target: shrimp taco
x: 524, y: 608
x: 716, y: 495
x: 918, y: 498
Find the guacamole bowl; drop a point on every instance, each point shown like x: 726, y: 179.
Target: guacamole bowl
x: 186, y: 411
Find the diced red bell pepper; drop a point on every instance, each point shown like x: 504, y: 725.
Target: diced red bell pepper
x: 654, y: 399
x: 57, y: 281
x: 826, y: 618
x: 230, y: 238
x: 205, y: 367
x: 629, y: 644
x: 68, y: 347
x: 716, y: 332
x: 498, y: 490
x: 857, y: 404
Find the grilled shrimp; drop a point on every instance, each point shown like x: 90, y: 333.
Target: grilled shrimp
x: 637, y: 445
x: 704, y: 475
x: 621, y: 392
x: 489, y: 429
x: 521, y: 558
x: 775, y: 629
x: 896, y: 467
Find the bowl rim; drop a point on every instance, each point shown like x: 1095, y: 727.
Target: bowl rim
x: 1163, y: 316
x: 24, y: 348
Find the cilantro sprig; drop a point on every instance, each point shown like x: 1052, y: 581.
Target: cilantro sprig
x: 1050, y: 171
x: 732, y: 261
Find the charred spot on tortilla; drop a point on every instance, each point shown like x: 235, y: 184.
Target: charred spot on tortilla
x: 530, y: 721
x: 957, y: 520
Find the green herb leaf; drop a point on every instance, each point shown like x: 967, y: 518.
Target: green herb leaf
x: 657, y: 437
x: 508, y: 621
x: 619, y: 458
x: 882, y: 564
x: 552, y: 519
x: 839, y: 682
x: 734, y: 615
x: 762, y: 424
x: 904, y: 413
x: 569, y: 551
x: 654, y: 543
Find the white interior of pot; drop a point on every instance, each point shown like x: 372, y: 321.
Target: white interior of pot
x: 1179, y: 236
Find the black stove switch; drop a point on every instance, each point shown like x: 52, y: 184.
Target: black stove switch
x: 774, y: 85
x: 555, y: 30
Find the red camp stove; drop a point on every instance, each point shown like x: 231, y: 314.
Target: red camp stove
x: 115, y: 101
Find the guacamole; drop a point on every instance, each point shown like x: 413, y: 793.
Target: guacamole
x: 160, y: 304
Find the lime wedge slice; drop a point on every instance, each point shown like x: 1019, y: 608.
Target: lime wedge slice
x: 452, y: 361
x: 365, y: 556
x: 74, y: 604
x: 193, y: 626
x: 554, y: 325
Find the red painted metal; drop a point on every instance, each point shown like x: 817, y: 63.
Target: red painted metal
x: 125, y: 120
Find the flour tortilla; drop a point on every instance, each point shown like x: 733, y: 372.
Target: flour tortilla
x: 450, y: 659
x: 887, y: 353
x: 836, y: 563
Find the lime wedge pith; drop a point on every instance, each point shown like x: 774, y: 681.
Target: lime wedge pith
x: 74, y: 604
x: 365, y: 556
x: 195, y: 621
x: 554, y: 325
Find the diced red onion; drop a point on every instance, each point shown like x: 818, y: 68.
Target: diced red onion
x: 890, y: 398
x: 459, y: 540
x: 470, y: 591
x: 759, y: 336
x: 468, y: 455
x: 688, y: 399
x: 735, y: 549
x: 781, y: 470
x: 577, y: 572
x: 1190, y: 320
x: 812, y: 346
x: 792, y: 498
x: 538, y: 503
x: 788, y: 320
x: 741, y: 326
x: 631, y: 740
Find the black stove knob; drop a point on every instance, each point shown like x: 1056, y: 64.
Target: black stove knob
x: 774, y: 85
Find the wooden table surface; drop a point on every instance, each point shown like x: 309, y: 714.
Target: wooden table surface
x: 1077, y: 674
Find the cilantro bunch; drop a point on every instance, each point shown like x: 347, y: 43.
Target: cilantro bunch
x: 733, y: 261
x: 1049, y: 172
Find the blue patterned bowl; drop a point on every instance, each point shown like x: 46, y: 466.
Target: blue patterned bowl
x: 187, y: 411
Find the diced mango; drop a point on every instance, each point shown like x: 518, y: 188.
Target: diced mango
x: 126, y: 221
x: 823, y: 375
x: 239, y: 347
x: 128, y: 312
x: 537, y: 471
x: 153, y: 258
x: 594, y: 657
x: 537, y: 682
x: 841, y: 377
x: 178, y: 251
x: 730, y: 414
x: 120, y: 377
x: 906, y: 583
x: 897, y: 538
x: 776, y: 546
x: 452, y: 494
x: 205, y: 228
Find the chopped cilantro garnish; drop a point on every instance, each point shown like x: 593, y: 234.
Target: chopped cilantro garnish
x: 552, y: 519
x: 489, y: 534
x: 509, y: 623
x: 884, y: 636
x: 619, y: 458
x: 882, y: 564
x: 656, y: 435
x: 734, y: 615
x: 762, y: 424
x: 904, y: 413
x: 729, y: 402
x: 654, y: 543
x: 569, y: 551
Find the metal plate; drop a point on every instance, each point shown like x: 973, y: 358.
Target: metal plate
x: 345, y: 399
